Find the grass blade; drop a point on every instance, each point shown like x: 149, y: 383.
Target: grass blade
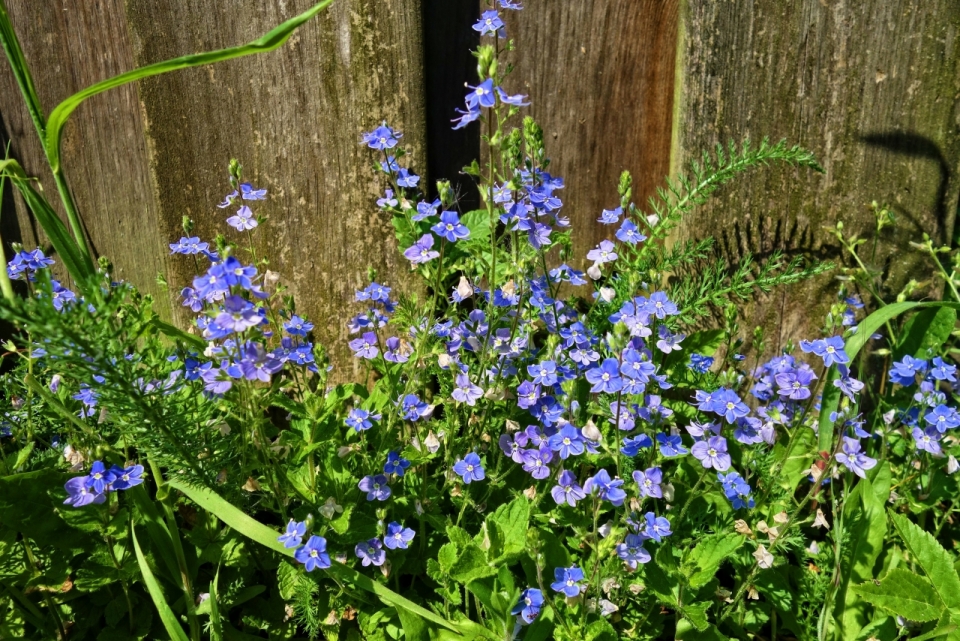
x: 268, y: 42
x: 169, y: 619
x: 267, y: 537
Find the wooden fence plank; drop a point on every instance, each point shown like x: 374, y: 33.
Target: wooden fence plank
x: 870, y: 86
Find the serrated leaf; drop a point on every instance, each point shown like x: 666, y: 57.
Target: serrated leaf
x: 512, y: 519
x: 446, y: 557
x: 601, y: 630
x: 936, y: 562
x: 947, y: 625
x: 664, y: 586
x: 705, y: 559
x: 903, y: 593
x: 471, y: 564
x: 696, y: 613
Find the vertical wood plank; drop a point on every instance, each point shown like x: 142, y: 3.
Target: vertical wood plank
x: 600, y: 76
x: 293, y: 118
x: 70, y: 46
x: 870, y: 86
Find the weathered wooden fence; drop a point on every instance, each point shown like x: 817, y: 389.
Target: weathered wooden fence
x: 871, y: 86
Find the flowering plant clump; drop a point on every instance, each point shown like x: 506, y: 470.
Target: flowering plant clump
x: 538, y: 451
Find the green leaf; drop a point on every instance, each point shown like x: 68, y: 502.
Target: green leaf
x: 512, y: 519
x: 478, y: 222
x: 267, y: 537
x: 169, y: 619
x: 601, y: 630
x: 687, y: 632
x: 663, y: 586
x: 926, y: 330
x: 74, y: 259
x: 947, y: 626
x: 865, y: 522
x: 268, y: 42
x: 216, y: 623
x: 936, y: 562
x: 696, y: 613
x: 470, y: 565
x: 705, y: 559
x: 903, y: 593
x: 176, y: 333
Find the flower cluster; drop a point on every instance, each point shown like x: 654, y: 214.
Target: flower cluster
x: 93, y: 488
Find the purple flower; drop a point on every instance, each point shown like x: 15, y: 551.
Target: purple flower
x: 489, y: 24
x: 566, y: 581
x: 450, y: 227
x: 567, y: 491
x: 669, y: 342
x: 943, y: 371
x: 371, y: 552
x: 712, y: 453
x: 243, y: 220
x: 726, y: 403
x: 649, y: 481
x: 383, y: 137
x: 375, y: 486
x: 188, y: 246
x: 313, y: 555
x: 397, y: 352
x: 465, y: 391
x: 421, y: 251
x: 831, y: 350
x: 632, y: 551
x: 79, y: 495
x: 531, y: 600
x: 398, y: 537
x: 407, y: 179
x: 661, y: 306
x: 469, y: 468
x: 259, y: 364
x: 517, y: 100
x: 927, y: 440
x: 606, y: 377
x: 536, y: 461
x: 602, y: 253
x: 610, y: 216
x: 736, y: 490
x: 527, y: 394
x: 294, y: 534
x: 466, y: 117
x: 365, y: 346
x: 413, y: 409
x: 606, y: 488
x: 395, y: 464
x: 249, y: 192
x: 855, y: 460
x: 388, y: 200
x: 425, y: 210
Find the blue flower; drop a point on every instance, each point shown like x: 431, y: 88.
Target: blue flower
x: 243, y: 220
x: 297, y: 326
x: 568, y: 441
x: 927, y: 440
x: 395, y: 464
x: 398, y: 537
x: 100, y: 478
x: 628, y: 233
x: 190, y: 245
x: 248, y: 192
x: 712, y: 453
x: 855, y: 460
x: 450, y: 227
x: 482, y: 95
x: 611, y: 216
x: 566, y: 581
x: 425, y: 210
x: 489, y: 24
x: 700, y: 363
x: 632, y: 551
x: 126, y: 477
x: 413, y: 409
x: 375, y: 486
x: 602, y: 253
x: 943, y: 371
x: 469, y: 469
x: 383, y: 137
x: 606, y: 488
x: 649, y: 482
x: 79, y: 493
x: 537, y: 461
x: 465, y: 391
x: 466, y: 117
x: 633, y: 445
x: 606, y: 377
x: 313, y: 555
x: 904, y: 372
x: 656, y: 527
x: 371, y: 552
x: 943, y: 418
x: 294, y: 534
x: 671, y: 445
x: 407, y: 179
x: 360, y: 419
x: 528, y: 607
x: 365, y: 346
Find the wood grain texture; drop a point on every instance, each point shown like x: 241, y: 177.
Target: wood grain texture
x: 140, y: 158
x: 293, y: 118
x: 872, y: 87
x: 600, y: 76
x: 69, y: 47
